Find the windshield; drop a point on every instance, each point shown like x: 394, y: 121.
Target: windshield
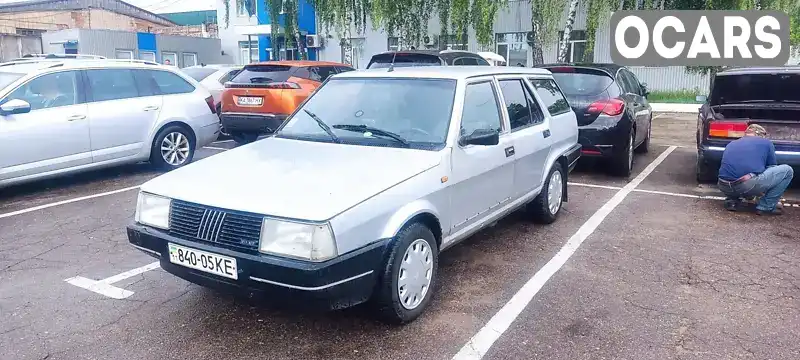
x: 199, y: 73
x: 403, y: 60
x: 751, y: 88
x: 7, y: 78
x: 415, y: 110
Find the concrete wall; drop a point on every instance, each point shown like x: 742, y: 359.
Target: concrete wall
x: 81, y: 19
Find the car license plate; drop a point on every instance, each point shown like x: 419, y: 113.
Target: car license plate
x: 249, y: 100
x: 203, y: 261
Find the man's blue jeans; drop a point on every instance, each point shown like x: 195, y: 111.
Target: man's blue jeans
x: 771, y: 183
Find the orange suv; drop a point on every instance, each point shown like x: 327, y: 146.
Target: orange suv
x: 262, y: 95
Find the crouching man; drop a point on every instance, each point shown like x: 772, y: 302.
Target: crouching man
x: 749, y: 169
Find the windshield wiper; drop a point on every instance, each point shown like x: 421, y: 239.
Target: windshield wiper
x: 376, y: 131
x: 322, y: 125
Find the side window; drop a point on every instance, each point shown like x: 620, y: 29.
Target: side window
x: 49, y: 91
x: 111, y: 84
x: 627, y: 83
x: 465, y: 61
x: 321, y: 73
x: 480, y: 109
x: 522, y: 109
x: 551, y: 96
x: 168, y: 83
x: 342, y: 69
x: 229, y: 76
x: 145, y: 83
x: 481, y: 61
x: 633, y: 81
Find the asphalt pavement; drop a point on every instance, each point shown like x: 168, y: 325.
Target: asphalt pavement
x: 648, y: 267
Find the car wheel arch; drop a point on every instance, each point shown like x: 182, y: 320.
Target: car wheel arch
x: 185, y: 126
x: 423, y: 215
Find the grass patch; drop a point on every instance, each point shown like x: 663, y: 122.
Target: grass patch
x: 675, y: 97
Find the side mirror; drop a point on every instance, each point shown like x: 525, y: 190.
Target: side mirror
x: 700, y: 98
x: 485, y: 137
x: 15, y: 106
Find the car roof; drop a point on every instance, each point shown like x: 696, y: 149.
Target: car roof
x: 442, y: 72
x: 300, y: 63
x: 39, y: 66
x: 444, y: 54
x: 760, y: 70
x: 610, y: 69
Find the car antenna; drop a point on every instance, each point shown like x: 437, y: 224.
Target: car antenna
x: 391, y: 66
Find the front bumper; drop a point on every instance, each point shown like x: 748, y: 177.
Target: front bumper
x: 335, y: 284
x: 251, y: 123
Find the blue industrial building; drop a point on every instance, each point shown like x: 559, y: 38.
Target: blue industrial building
x: 260, y: 35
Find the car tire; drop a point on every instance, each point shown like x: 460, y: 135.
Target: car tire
x: 415, y: 242
x: 705, y: 174
x: 547, y: 205
x: 241, y: 138
x: 644, y: 147
x: 172, y: 148
x: 622, y: 158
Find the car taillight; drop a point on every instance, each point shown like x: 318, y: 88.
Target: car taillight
x: 281, y: 85
x: 727, y: 129
x: 611, y: 107
x: 210, y: 103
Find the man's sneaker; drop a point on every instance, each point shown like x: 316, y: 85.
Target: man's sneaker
x: 732, y: 205
x: 776, y: 211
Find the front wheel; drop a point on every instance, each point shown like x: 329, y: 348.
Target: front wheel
x: 172, y: 148
x: 408, y: 279
x: 546, y: 206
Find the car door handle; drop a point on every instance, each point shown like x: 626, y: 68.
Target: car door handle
x: 151, y: 108
x: 546, y: 133
x: 76, y: 117
x: 510, y: 151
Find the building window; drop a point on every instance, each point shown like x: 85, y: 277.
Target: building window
x: 242, y: 8
x: 147, y: 56
x: 513, y: 47
x: 394, y: 44
x: 124, y: 54
x: 29, y: 32
x: 248, y: 54
x: 576, y: 50
x: 169, y: 58
x: 189, y: 59
x: 353, y: 51
x: 454, y: 43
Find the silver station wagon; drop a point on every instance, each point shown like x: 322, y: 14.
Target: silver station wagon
x: 355, y: 196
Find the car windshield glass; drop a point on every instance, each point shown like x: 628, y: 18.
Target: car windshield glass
x: 403, y: 60
x: 262, y: 74
x: 378, y: 111
x: 582, y: 84
x: 7, y: 78
x: 199, y: 73
x: 752, y: 88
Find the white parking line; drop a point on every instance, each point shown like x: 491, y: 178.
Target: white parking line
x: 104, y: 287
x: 45, y: 206
x: 215, y: 148
x: 222, y: 141
x: 480, y: 344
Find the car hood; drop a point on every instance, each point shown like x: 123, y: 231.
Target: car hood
x: 291, y: 178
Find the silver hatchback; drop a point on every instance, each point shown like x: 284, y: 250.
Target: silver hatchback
x: 355, y: 196
x: 62, y: 116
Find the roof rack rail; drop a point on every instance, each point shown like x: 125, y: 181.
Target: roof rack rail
x: 61, y: 56
x: 30, y: 61
x: 136, y: 61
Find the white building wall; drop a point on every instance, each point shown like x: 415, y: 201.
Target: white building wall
x: 229, y: 37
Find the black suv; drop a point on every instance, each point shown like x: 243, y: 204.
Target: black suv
x: 426, y: 58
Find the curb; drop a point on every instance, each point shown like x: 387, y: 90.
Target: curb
x: 675, y: 108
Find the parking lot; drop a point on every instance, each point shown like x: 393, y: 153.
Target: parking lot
x: 649, y: 267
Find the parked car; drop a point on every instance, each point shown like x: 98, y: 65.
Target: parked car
x: 63, y: 117
x: 614, y: 116
x: 407, y: 58
x: 739, y: 97
x: 258, y: 99
x: 213, y: 77
x: 355, y: 195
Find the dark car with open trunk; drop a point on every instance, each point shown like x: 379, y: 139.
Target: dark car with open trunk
x: 767, y: 96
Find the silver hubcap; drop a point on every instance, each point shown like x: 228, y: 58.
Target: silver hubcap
x: 555, y: 191
x: 630, y: 151
x: 175, y: 148
x: 414, y: 277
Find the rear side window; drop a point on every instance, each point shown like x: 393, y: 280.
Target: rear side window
x: 168, y: 83
x: 321, y: 73
x: 465, y: 61
x: 480, y: 109
x: 199, y: 73
x: 111, y: 84
x: 522, y: 108
x: 229, y: 76
x: 403, y: 60
x: 342, y: 69
x: 263, y: 74
x: 551, y: 96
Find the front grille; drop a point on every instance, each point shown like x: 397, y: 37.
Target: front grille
x: 198, y: 222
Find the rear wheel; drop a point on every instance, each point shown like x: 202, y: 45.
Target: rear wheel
x: 622, y: 159
x: 241, y: 138
x: 705, y: 173
x: 546, y: 206
x: 172, y: 148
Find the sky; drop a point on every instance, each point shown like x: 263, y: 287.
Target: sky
x: 162, y: 6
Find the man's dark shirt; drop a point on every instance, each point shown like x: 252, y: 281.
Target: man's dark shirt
x: 748, y: 155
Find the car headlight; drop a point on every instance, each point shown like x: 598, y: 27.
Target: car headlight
x: 313, y: 242
x: 153, y: 210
